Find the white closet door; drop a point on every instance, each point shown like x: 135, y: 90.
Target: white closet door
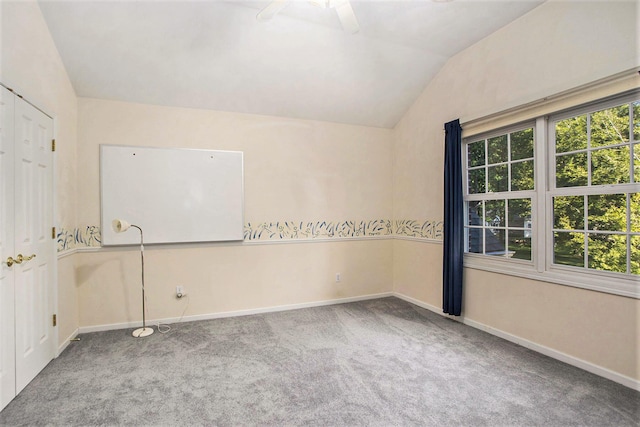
x: 35, y: 345
x: 7, y: 325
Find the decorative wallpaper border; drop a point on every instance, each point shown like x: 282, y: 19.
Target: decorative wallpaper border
x: 421, y: 229
x: 87, y: 237
x: 90, y: 237
x: 290, y: 230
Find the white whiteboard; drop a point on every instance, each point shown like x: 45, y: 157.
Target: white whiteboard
x: 174, y: 195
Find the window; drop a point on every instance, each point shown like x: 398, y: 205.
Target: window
x: 563, y: 204
x: 500, y: 184
x: 596, y: 203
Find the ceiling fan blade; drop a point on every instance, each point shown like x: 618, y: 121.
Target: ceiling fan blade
x: 347, y: 17
x: 271, y: 10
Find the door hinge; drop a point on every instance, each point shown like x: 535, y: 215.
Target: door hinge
x: 53, y: 145
x: 53, y: 232
x: 55, y: 320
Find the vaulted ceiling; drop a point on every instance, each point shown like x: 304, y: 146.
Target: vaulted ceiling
x: 216, y: 55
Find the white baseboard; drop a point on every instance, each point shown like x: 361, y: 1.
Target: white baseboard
x: 66, y: 342
x: 419, y: 303
x: 558, y: 355
x: 547, y: 351
x: 113, y: 326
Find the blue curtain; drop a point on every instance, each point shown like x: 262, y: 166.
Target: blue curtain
x: 453, y: 220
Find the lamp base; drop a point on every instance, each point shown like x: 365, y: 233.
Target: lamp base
x: 142, y: 332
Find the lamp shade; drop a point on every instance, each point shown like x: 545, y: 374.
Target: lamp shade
x: 120, y: 225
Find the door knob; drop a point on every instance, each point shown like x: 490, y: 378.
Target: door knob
x: 11, y: 261
x: 21, y: 258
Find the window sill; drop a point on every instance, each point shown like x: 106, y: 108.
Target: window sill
x: 595, y: 281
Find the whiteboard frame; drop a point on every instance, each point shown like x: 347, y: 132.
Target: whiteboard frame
x: 153, y: 234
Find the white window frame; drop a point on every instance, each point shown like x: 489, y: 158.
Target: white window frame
x: 504, y: 195
x: 541, y: 266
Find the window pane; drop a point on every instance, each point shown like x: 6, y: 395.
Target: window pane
x: 610, y: 166
x: 476, y: 181
x: 522, y: 144
x: 519, y: 245
x: 607, y: 212
x: 635, y: 212
x: 568, y: 212
x: 520, y: 213
x: 475, y: 240
x: 610, y: 126
x: 498, y: 178
x: 635, y: 255
x: 475, y: 213
x: 497, y: 149
x: 571, y: 170
x: 475, y: 153
x: 568, y: 248
x: 571, y: 134
x: 608, y: 252
x: 494, y: 242
x: 494, y: 213
x: 522, y: 176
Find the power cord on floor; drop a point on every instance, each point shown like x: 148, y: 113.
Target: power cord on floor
x: 163, y: 329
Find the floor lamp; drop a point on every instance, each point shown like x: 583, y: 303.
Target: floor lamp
x: 120, y: 226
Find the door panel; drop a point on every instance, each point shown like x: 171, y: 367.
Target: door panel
x: 33, y: 224
x: 7, y: 315
x: 43, y: 177
x: 24, y: 296
x: 23, y: 202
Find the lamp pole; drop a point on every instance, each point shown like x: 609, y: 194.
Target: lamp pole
x: 119, y: 226
x: 144, y: 331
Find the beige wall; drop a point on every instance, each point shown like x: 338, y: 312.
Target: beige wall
x: 31, y: 65
x: 228, y: 278
x: 592, y: 326
x: 418, y: 270
x: 295, y: 170
x: 557, y: 46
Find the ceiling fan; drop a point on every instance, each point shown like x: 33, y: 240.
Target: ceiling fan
x: 343, y: 9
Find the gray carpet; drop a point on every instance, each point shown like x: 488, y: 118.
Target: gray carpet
x: 382, y: 362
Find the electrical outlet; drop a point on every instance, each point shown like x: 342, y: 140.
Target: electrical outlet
x: 337, y: 277
x: 180, y: 291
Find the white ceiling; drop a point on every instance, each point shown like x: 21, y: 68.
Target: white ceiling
x: 216, y: 55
